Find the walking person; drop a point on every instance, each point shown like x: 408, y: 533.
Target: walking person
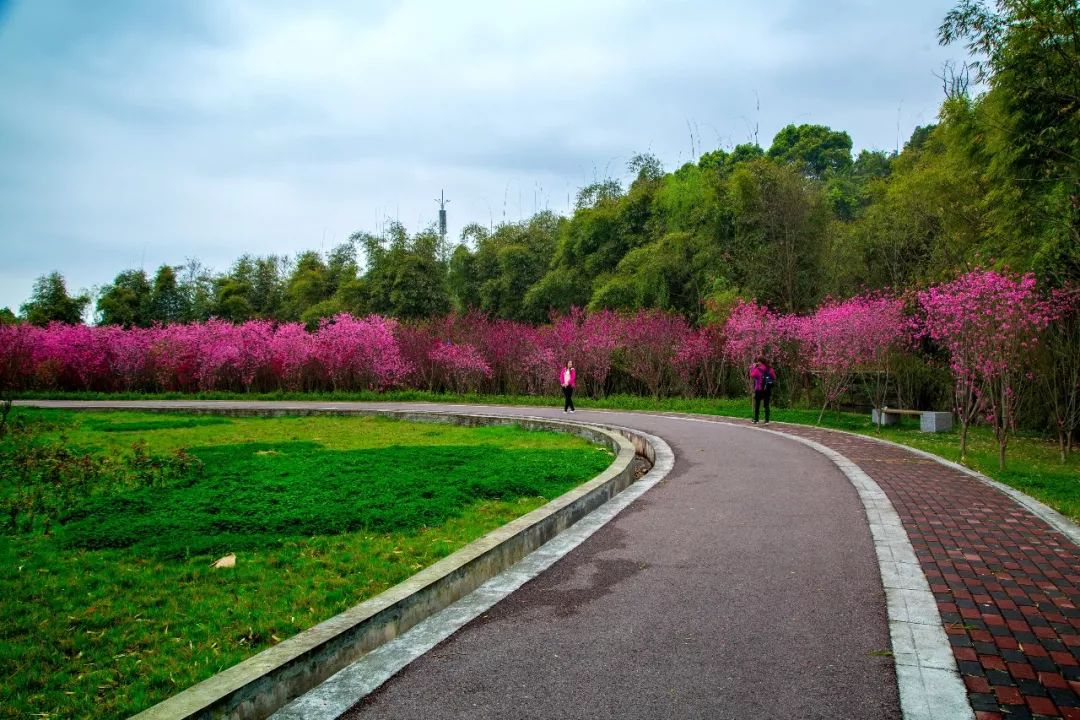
x: 568, y: 379
x: 763, y: 377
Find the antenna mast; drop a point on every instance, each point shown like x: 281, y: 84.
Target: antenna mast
x: 443, y: 249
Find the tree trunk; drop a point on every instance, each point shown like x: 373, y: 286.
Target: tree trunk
x: 1061, y: 445
x: 5, y: 408
x: 1003, y: 431
x: 963, y: 441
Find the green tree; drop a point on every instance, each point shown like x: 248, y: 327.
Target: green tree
x: 1028, y: 52
x: 49, y: 301
x: 671, y: 273
x: 924, y: 220
x: 815, y: 150
x: 780, y: 223
x: 197, y: 286
x: 308, y: 285
x: 461, y: 280
x: 167, y: 301
x: 127, y: 301
x: 403, y: 276
x: 506, y: 263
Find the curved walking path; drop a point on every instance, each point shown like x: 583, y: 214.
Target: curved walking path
x: 746, y: 584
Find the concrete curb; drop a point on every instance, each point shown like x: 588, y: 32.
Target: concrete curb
x: 334, y: 697
x: 926, y: 674
x: 927, y: 677
x: 1042, y: 511
x: 256, y: 687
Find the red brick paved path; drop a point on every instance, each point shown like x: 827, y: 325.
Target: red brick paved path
x: 1007, y: 584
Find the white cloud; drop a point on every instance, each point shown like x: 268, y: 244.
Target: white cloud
x: 147, y: 133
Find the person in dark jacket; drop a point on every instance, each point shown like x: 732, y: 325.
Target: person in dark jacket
x: 568, y: 379
x: 763, y: 377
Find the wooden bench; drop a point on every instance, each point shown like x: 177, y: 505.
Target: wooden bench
x: 929, y: 420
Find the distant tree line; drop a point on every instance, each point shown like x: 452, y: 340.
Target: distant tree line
x: 994, y: 183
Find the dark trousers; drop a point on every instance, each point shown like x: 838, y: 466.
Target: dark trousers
x: 760, y: 395
x: 568, y: 395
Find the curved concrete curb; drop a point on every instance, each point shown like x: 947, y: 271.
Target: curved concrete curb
x: 926, y: 674
x: 258, y: 686
x: 927, y: 678
x: 335, y: 696
x: 1040, y: 510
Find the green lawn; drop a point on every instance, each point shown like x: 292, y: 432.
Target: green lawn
x: 111, y: 522
x: 1033, y: 465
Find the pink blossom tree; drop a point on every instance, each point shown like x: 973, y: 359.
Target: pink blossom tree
x: 858, y: 336
x: 989, y: 323
x: 650, y: 343
x: 753, y: 331
x: 589, y: 340
x: 461, y: 366
x: 16, y: 363
x: 509, y: 348
x: 700, y: 362
x: 291, y: 351
x: 360, y: 352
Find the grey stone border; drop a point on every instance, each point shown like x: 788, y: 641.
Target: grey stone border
x: 926, y: 673
x: 339, y: 693
x: 1044, y: 512
x: 256, y: 687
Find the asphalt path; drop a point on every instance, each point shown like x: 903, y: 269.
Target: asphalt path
x: 744, y: 585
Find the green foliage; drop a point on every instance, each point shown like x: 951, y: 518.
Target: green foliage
x: 506, y: 263
x: 167, y: 301
x: 49, y: 301
x: 815, y: 150
x: 404, y: 277
x: 781, y: 220
x: 127, y: 301
x: 109, y: 632
x: 664, y: 274
x: 1028, y: 142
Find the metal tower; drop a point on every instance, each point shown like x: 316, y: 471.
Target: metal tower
x: 443, y: 249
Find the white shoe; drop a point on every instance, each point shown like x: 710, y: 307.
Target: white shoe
x: 573, y: 411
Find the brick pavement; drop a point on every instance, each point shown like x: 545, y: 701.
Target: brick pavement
x: 1006, y: 583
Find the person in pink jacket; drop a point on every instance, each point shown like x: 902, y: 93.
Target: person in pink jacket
x: 568, y: 379
x: 763, y: 377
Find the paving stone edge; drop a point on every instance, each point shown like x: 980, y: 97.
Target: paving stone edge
x: 927, y: 677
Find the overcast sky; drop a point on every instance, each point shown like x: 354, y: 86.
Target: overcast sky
x: 137, y: 133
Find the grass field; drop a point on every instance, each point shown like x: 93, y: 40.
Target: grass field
x: 1033, y: 465
x: 111, y: 522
